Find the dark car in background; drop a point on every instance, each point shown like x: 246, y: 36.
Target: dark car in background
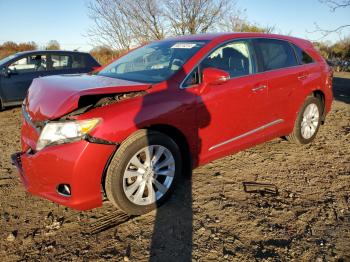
x: 17, y: 71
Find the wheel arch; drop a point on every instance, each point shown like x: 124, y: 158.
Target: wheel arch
x: 321, y: 96
x: 181, y: 140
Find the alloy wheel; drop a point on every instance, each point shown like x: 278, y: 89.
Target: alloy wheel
x: 149, y: 175
x: 310, y: 121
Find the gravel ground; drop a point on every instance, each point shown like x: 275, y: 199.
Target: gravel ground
x: 301, y: 214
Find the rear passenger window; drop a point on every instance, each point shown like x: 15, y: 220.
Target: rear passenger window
x: 60, y: 62
x: 78, y: 61
x: 276, y: 54
x: 304, y: 58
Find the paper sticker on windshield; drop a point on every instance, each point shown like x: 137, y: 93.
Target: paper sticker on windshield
x: 184, y: 45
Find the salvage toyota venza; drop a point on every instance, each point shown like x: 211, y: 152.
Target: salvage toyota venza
x: 132, y: 129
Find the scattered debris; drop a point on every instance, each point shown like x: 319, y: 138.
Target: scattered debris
x: 261, y: 188
x: 12, y: 236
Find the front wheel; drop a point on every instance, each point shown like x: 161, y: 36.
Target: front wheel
x: 308, y: 122
x: 143, y: 172
x: 1, y: 105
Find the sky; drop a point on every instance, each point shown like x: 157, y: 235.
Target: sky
x: 67, y: 21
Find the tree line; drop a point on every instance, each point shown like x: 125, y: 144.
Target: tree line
x: 123, y: 24
x: 10, y: 47
x: 339, y: 51
x: 120, y: 25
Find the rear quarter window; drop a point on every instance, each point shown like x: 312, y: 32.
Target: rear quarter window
x: 275, y: 54
x: 303, y: 57
x: 90, y: 61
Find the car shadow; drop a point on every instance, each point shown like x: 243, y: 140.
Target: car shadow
x: 172, y: 232
x: 341, y: 89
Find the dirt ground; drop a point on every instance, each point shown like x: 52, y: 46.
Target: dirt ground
x: 209, y: 218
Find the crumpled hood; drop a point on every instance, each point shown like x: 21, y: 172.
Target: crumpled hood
x: 54, y: 96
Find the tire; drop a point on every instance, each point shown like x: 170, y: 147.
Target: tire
x: 302, y: 136
x: 119, y: 183
x: 1, y: 105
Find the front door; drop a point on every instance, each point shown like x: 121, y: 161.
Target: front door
x: 236, y: 108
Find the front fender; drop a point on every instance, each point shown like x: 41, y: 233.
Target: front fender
x: 121, y: 119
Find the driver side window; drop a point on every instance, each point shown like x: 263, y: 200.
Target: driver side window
x: 234, y: 58
x: 29, y: 64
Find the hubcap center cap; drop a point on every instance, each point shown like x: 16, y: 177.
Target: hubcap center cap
x: 148, y: 173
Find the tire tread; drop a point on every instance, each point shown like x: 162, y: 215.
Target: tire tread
x: 116, y: 163
x: 295, y: 137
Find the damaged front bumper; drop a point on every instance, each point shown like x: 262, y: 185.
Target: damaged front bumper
x: 75, y: 167
x: 80, y: 165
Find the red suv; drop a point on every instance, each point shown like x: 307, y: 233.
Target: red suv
x: 133, y: 128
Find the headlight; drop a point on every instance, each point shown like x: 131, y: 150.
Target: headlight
x: 64, y: 132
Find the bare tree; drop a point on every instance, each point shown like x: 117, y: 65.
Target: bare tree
x: 145, y: 19
x: 195, y: 16
x: 336, y: 4
x: 53, y: 45
x: 122, y: 24
x: 110, y: 26
x: 238, y: 24
x: 333, y: 5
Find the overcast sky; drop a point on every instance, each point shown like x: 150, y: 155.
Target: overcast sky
x: 67, y: 21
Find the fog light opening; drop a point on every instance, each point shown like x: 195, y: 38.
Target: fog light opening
x: 64, y: 190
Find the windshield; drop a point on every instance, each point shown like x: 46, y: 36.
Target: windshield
x: 6, y: 59
x: 153, y: 63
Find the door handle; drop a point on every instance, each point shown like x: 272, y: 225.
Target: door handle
x: 261, y: 87
x: 303, y: 76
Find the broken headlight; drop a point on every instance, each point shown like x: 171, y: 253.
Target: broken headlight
x: 55, y: 133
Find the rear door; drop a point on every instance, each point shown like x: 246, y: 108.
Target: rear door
x: 68, y: 63
x: 22, y: 72
x: 284, y: 77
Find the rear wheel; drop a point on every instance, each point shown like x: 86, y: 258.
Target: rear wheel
x: 143, y: 172
x: 308, y: 122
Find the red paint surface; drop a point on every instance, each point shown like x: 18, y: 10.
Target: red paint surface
x: 206, y: 115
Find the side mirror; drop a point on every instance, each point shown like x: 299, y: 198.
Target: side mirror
x: 214, y: 76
